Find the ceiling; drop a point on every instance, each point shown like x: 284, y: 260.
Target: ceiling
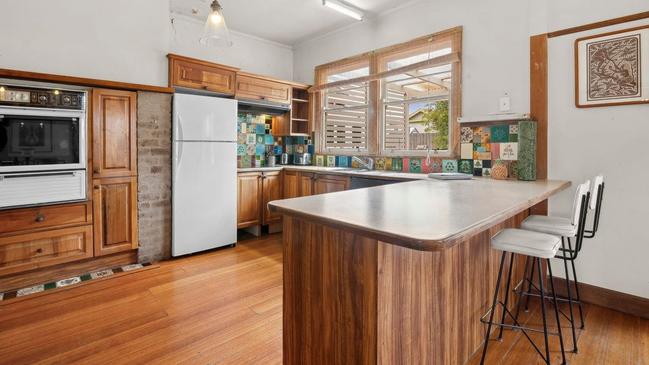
x: 285, y: 21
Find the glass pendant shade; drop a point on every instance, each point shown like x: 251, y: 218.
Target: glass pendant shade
x: 216, y: 32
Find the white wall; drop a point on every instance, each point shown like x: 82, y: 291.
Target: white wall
x: 582, y: 142
x: 119, y: 40
x: 495, y: 57
x: 607, y: 140
x: 249, y: 53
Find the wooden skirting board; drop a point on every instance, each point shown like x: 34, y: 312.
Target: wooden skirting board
x: 621, y: 302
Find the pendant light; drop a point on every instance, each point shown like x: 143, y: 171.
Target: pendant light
x: 216, y: 32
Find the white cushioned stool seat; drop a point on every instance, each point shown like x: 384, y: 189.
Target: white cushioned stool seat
x: 524, y: 242
x: 553, y: 225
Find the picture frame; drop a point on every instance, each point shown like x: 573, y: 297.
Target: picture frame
x: 612, y: 68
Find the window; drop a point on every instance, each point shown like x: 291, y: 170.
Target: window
x: 401, y: 100
x: 414, y: 102
x: 345, y: 112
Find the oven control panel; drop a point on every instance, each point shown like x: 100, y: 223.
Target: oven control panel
x: 44, y: 98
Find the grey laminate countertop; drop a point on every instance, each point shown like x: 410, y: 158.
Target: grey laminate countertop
x: 425, y: 215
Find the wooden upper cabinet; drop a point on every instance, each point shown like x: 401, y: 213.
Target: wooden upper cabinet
x: 258, y: 88
x: 248, y: 199
x: 196, y: 74
x: 271, y: 190
x: 330, y: 183
x: 114, y: 133
x: 115, y: 215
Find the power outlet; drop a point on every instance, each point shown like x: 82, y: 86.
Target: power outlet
x: 504, y: 104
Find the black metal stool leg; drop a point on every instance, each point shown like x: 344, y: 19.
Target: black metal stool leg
x: 520, y: 298
x: 556, y: 315
x: 572, y: 317
x: 509, y: 279
x: 545, y: 322
x: 493, y: 308
x: 574, y: 275
x: 529, y: 286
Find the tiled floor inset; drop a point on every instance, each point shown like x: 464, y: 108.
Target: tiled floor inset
x: 69, y: 281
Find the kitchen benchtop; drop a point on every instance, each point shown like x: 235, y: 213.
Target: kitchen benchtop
x: 345, y: 171
x: 426, y: 215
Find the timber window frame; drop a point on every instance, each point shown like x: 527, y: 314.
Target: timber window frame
x: 377, y: 62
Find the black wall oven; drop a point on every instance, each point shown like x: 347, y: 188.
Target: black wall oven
x: 42, y: 146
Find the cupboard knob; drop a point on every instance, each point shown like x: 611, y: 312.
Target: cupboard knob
x: 96, y: 170
x: 40, y: 218
x: 96, y: 187
x: 39, y: 250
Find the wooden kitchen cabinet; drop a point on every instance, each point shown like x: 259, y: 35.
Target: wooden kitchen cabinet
x: 291, y: 184
x: 330, y: 183
x: 35, y: 250
x: 196, y: 74
x: 255, y: 190
x: 114, y: 136
x: 305, y: 183
x: 252, y: 87
x: 249, y: 196
x: 272, y: 189
x: 115, y: 215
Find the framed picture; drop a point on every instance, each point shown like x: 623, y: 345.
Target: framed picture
x: 612, y: 68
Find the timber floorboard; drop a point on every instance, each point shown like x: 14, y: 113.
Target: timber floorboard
x: 225, y: 307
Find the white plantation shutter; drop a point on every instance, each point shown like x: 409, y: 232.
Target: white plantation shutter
x: 345, y: 116
x: 395, y: 118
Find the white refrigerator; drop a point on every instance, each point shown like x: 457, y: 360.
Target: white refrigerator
x: 204, y: 173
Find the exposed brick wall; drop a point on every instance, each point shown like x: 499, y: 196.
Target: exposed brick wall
x: 154, y: 175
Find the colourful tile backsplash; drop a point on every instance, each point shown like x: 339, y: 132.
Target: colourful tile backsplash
x: 480, y: 148
x: 255, y: 141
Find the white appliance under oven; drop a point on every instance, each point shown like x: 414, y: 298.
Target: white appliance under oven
x: 42, y: 146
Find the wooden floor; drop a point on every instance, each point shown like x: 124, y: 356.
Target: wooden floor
x: 225, y: 307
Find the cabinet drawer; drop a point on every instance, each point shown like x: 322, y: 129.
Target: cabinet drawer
x: 258, y: 89
x: 198, y: 76
x: 40, y: 249
x: 43, y: 217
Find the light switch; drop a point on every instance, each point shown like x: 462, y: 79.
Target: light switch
x: 504, y: 104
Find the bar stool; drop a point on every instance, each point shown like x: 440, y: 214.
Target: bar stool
x: 566, y: 228
x: 596, y: 204
x: 537, y: 247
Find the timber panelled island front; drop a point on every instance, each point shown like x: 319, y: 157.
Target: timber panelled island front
x: 396, y: 274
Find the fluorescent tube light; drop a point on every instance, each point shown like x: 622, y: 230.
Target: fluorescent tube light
x: 343, y: 8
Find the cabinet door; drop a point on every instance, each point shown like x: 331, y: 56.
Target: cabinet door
x: 114, y: 137
x: 115, y: 215
x: 197, y: 76
x: 330, y: 183
x: 271, y: 190
x: 249, y: 199
x: 259, y: 89
x: 291, y: 184
x: 306, y: 183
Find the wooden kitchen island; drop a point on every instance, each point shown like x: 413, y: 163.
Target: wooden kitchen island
x: 396, y: 274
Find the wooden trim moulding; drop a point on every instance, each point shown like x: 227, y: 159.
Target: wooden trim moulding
x: 201, y: 62
x: 81, y: 81
x: 607, y: 298
x: 600, y: 24
x: 539, y: 100
x: 441, y: 60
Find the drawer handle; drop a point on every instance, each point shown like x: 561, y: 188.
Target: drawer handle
x: 40, y: 218
x: 39, y: 250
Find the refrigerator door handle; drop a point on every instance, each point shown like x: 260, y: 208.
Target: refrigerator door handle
x: 179, y: 154
x: 179, y: 137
